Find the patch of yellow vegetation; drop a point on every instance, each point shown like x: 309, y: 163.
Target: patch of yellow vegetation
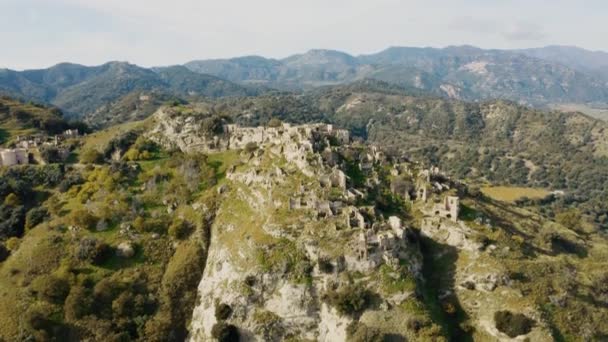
x: 512, y: 193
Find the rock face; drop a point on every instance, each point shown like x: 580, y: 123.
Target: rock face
x: 302, y: 250
x: 281, y: 250
x: 186, y: 133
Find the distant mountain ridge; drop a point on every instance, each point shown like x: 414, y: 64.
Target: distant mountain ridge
x: 550, y: 76
x: 574, y: 57
x: 81, y: 90
x: 536, y: 77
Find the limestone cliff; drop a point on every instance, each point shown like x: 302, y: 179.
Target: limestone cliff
x: 314, y: 239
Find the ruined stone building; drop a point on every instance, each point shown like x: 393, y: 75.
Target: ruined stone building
x: 448, y: 208
x: 385, y: 242
x: 10, y: 157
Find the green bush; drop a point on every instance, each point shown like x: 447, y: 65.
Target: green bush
x: 51, y: 288
x: 35, y: 216
x: 92, y: 250
x: 274, y: 122
x: 251, y: 147
x: 268, y: 324
x: 180, y: 229
x: 359, y: 332
x: 78, y: 303
x: 513, y: 324
x: 349, y: 300
x: 84, y: 219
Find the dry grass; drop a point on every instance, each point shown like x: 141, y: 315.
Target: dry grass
x: 511, y: 193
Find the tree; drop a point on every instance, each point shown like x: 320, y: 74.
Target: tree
x: 51, y: 154
x: 12, y: 221
x: 349, y: 300
x: 78, y: 303
x: 35, y: 216
x: 51, y: 288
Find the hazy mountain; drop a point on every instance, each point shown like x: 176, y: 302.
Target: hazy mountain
x: 80, y: 90
x: 574, y: 57
x: 461, y: 72
x: 241, y: 69
x: 540, y: 77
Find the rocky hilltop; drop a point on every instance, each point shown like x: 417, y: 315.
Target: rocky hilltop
x: 318, y: 239
x: 188, y: 226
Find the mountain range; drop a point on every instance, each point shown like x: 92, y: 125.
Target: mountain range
x: 81, y: 91
x: 550, y: 76
x: 535, y: 76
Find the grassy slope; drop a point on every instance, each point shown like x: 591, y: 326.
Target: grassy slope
x: 44, y: 248
x: 10, y: 127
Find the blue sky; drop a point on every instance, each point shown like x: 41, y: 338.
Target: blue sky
x: 41, y: 33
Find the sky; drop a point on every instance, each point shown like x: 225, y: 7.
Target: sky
x: 41, y: 33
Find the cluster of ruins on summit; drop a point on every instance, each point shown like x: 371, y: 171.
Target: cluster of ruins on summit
x: 20, y: 155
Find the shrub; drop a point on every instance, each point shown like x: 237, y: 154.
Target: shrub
x: 39, y: 318
x: 69, y: 181
x: 251, y: 147
x: 78, y: 303
x: 12, y: 221
x: 415, y: 324
x: 570, y: 218
x: 213, y: 125
x: 223, y: 312
x: 359, y: 332
x: 35, y: 216
x: 51, y: 288
x: 11, y: 200
x: 4, y: 252
x: 180, y: 229
x: 274, y: 122
x: 84, y: 219
x: 349, y: 300
x: 268, y: 324
x: 91, y: 156
x: 12, y: 244
x: 325, y: 265
x: 224, y: 332
x: 104, y: 292
x: 93, y: 251
x: 52, y: 154
x: 513, y: 324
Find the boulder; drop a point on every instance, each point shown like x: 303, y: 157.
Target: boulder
x: 125, y: 250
